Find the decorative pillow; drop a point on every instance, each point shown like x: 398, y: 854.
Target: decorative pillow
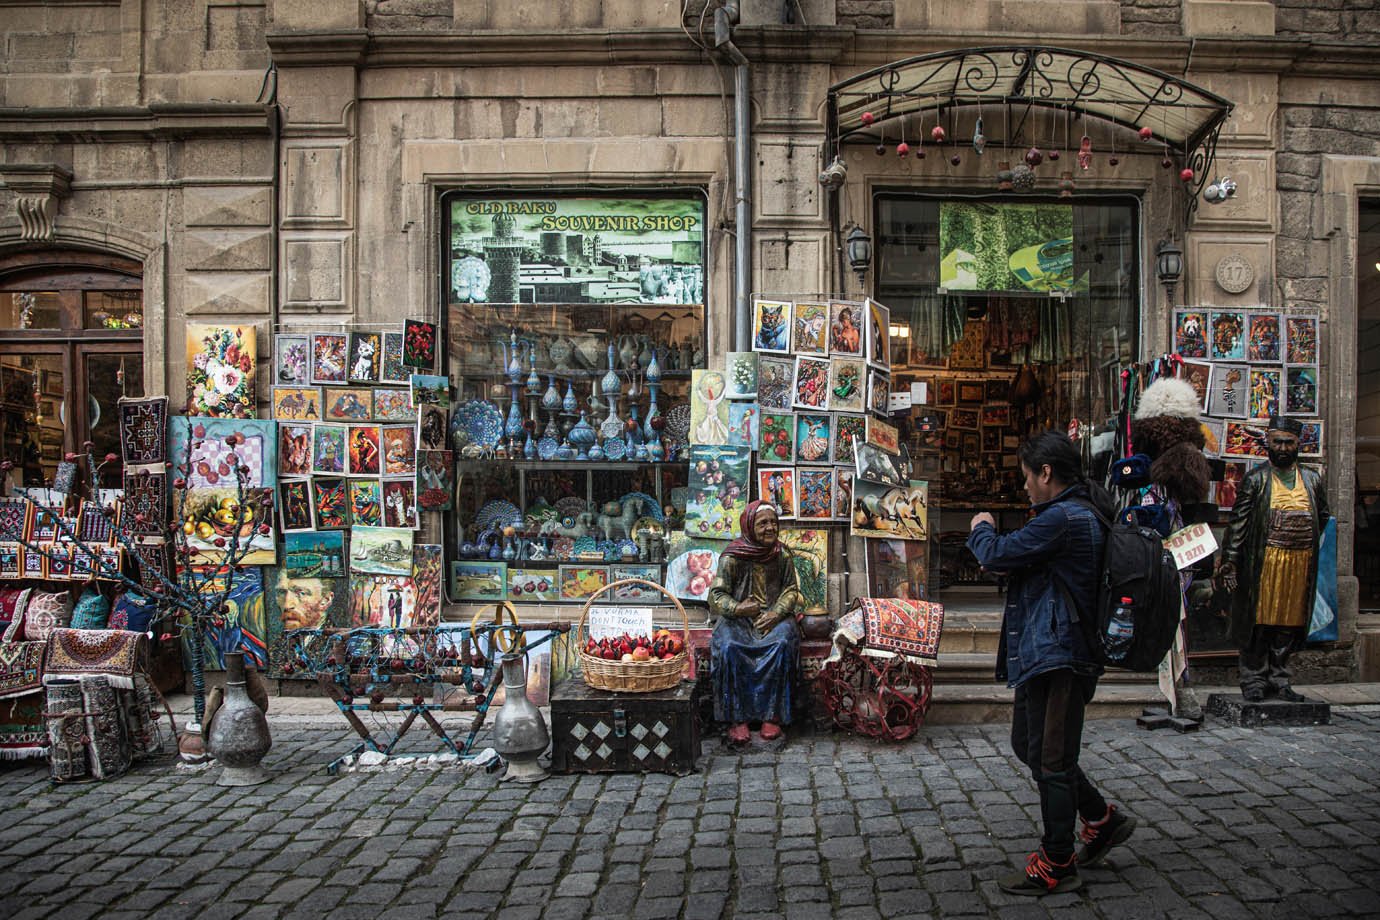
x: 13, y: 602
x: 92, y: 610
x: 132, y: 612
x: 46, y: 612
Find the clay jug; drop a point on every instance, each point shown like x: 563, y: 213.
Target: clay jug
x: 239, y: 737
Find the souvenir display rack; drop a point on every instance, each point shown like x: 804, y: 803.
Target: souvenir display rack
x: 570, y: 440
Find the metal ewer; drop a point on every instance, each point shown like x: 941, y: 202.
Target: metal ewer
x: 520, y: 732
x: 239, y: 736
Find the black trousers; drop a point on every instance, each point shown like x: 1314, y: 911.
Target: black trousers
x: 1264, y: 663
x: 1046, y: 734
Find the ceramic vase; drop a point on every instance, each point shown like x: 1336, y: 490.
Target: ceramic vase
x: 238, y: 735
x: 520, y: 732
x: 582, y: 436
x: 551, y: 399
x: 611, y: 384
x: 569, y: 405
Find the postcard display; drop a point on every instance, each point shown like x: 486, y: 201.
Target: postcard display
x: 811, y: 401
x: 1247, y: 365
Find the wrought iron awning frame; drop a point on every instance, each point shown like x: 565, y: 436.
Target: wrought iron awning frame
x: 1025, y: 77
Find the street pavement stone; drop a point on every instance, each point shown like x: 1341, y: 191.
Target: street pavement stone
x: 1234, y: 822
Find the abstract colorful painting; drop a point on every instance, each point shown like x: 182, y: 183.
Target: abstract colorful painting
x: 330, y: 352
x: 394, y: 404
x: 847, y: 429
x: 428, y: 569
x: 1244, y: 440
x: 718, y: 490
x: 1228, y: 341
x: 811, y: 383
x: 294, y: 505
x: 810, y: 328
x: 771, y: 326
x: 1264, y: 341
x: 581, y: 581
x: 1310, y: 439
x: 1301, y: 391
x: 1199, y: 376
x: 815, y: 490
x: 393, y: 370
x: 330, y: 500
x: 1265, y: 388
x: 777, y: 485
x: 708, y: 407
x: 435, y: 479
x: 1190, y: 333
x: 740, y: 367
x: 328, y: 450
x: 775, y: 382
x: 220, y: 370
x: 1301, y: 339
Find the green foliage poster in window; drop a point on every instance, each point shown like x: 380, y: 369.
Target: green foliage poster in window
x: 1005, y: 247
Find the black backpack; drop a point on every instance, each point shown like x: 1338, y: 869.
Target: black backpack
x: 1135, y: 565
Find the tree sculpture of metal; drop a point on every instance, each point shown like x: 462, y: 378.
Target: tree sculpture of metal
x: 883, y: 698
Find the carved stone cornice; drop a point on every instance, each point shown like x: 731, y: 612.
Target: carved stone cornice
x: 123, y: 123
x: 37, y: 190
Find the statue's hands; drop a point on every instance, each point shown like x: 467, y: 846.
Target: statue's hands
x: 1226, y: 575
x: 982, y: 518
x: 748, y: 608
x: 765, y: 620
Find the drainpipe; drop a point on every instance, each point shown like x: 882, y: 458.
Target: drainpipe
x: 725, y: 18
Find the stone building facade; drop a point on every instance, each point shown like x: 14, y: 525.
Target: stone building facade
x: 270, y: 161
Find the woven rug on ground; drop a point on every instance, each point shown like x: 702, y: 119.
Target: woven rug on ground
x: 886, y: 626
x: 108, y: 747
x: 143, y: 430
x: 65, y: 724
x: 22, y: 733
x: 21, y: 668
x: 114, y: 653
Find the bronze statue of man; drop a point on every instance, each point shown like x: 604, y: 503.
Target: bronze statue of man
x: 1270, y: 562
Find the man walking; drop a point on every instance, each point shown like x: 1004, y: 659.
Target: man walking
x: 1052, y: 566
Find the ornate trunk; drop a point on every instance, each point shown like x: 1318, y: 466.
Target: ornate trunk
x: 594, y: 731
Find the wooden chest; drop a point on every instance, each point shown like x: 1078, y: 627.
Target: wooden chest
x: 594, y: 731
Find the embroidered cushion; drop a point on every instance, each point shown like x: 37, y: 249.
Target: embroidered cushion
x: 92, y: 610
x: 46, y: 612
x: 132, y: 612
x: 13, y: 601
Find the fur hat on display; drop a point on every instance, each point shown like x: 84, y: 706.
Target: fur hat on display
x: 1166, y: 429
x: 1169, y: 396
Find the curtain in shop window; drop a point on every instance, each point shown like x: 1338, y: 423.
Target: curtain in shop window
x: 936, y: 323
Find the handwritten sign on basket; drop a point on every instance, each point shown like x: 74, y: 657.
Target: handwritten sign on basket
x: 1190, y: 544
x: 614, y: 621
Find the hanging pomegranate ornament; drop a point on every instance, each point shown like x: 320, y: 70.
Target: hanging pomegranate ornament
x: 1146, y: 133
x: 955, y: 159
x: 880, y: 150
x: 1167, y: 163
x: 1186, y: 174
x: 1054, y: 156
x: 1113, y: 160
x: 868, y: 118
x: 1004, y: 176
x: 1085, y: 152
x: 1034, y: 157
x: 903, y: 150
x: 937, y: 134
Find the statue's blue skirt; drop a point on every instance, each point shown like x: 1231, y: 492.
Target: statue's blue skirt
x: 754, y: 674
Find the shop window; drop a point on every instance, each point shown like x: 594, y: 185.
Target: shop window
x: 1367, y: 551
x: 1016, y: 316
x: 71, y: 344
x: 570, y: 447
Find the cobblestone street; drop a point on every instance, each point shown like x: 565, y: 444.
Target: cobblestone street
x: 1280, y: 822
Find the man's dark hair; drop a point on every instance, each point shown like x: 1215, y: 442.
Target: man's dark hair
x: 1053, y: 448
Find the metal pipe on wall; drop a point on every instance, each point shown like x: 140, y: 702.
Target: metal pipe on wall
x: 725, y: 18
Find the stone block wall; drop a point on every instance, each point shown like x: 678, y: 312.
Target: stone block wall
x: 1151, y: 17
x: 1328, y: 20
x: 867, y: 14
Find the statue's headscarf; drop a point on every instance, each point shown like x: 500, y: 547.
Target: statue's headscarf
x: 747, y: 546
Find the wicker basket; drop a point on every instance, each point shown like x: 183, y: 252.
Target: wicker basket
x: 632, y: 676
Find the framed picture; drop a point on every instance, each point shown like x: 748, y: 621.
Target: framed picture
x: 742, y: 424
x: 1229, y: 392
x: 330, y: 502
x: 297, y: 404
x: 997, y: 390
x: 394, y: 404
x: 328, y: 451
x: 314, y: 555
x: 393, y: 370
x: 883, y: 435
x: 419, y: 344
x: 845, y: 329
x: 1243, y: 440
x: 1214, y: 433
x: 624, y: 571
x: 435, y: 479
x: 843, y: 494
x: 771, y: 326
x: 708, y: 408
x: 294, y: 449
x: 291, y: 360
x: 1224, y: 492
x: 399, y: 446
x: 220, y: 370
x: 991, y: 440
x: 349, y: 404
x: 1310, y: 440
x: 1300, y: 340
x: 811, y: 383
x: 814, y: 437
x: 847, y: 429
x: 330, y: 352
x: 294, y: 505
x: 776, y: 438
x: 581, y: 581
x: 366, y: 502
x: 381, y: 551
x: 996, y: 415
x: 1264, y: 339
x: 970, y: 352
x: 366, y: 356
x: 872, y: 464
x: 431, y: 427
x: 775, y: 382
x: 963, y: 418
x: 530, y: 585
x: 1228, y: 336
x: 430, y: 390
x: 878, y: 392
x: 478, y: 581
x: 1190, y: 333
x: 847, y: 377
x: 777, y: 485
x: 895, y: 512
x: 1264, y: 392
x: 971, y: 392
x: 878, y: 336
x: 1301, y: 391
x: 1199, y: 376
x: 897, y: 568
x: 810, y: 328
x: 970, y: 446
x: 363, y: 451
x: 740, y: 367
x: 946, y: 392
x: 815, y: 494
x: 400, y: 503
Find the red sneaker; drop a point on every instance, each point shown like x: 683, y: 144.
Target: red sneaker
x: 739, y: 734
x: 770, y: 731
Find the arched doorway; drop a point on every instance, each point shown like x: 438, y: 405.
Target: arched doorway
x: 71, y: 343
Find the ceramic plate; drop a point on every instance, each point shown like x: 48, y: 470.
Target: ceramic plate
x: 570, y: 507
x: 546, y: 448
x: 615, y: 449
x: 677, y: 424
x: 482, y: 422
x: 650, y: 506
x: 498, y: 514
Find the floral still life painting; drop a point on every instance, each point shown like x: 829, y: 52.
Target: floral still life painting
x: 220, y: 370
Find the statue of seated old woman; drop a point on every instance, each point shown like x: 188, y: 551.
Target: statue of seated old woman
x: 756, y: 645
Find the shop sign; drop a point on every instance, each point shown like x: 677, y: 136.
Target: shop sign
x: 607, y: 622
